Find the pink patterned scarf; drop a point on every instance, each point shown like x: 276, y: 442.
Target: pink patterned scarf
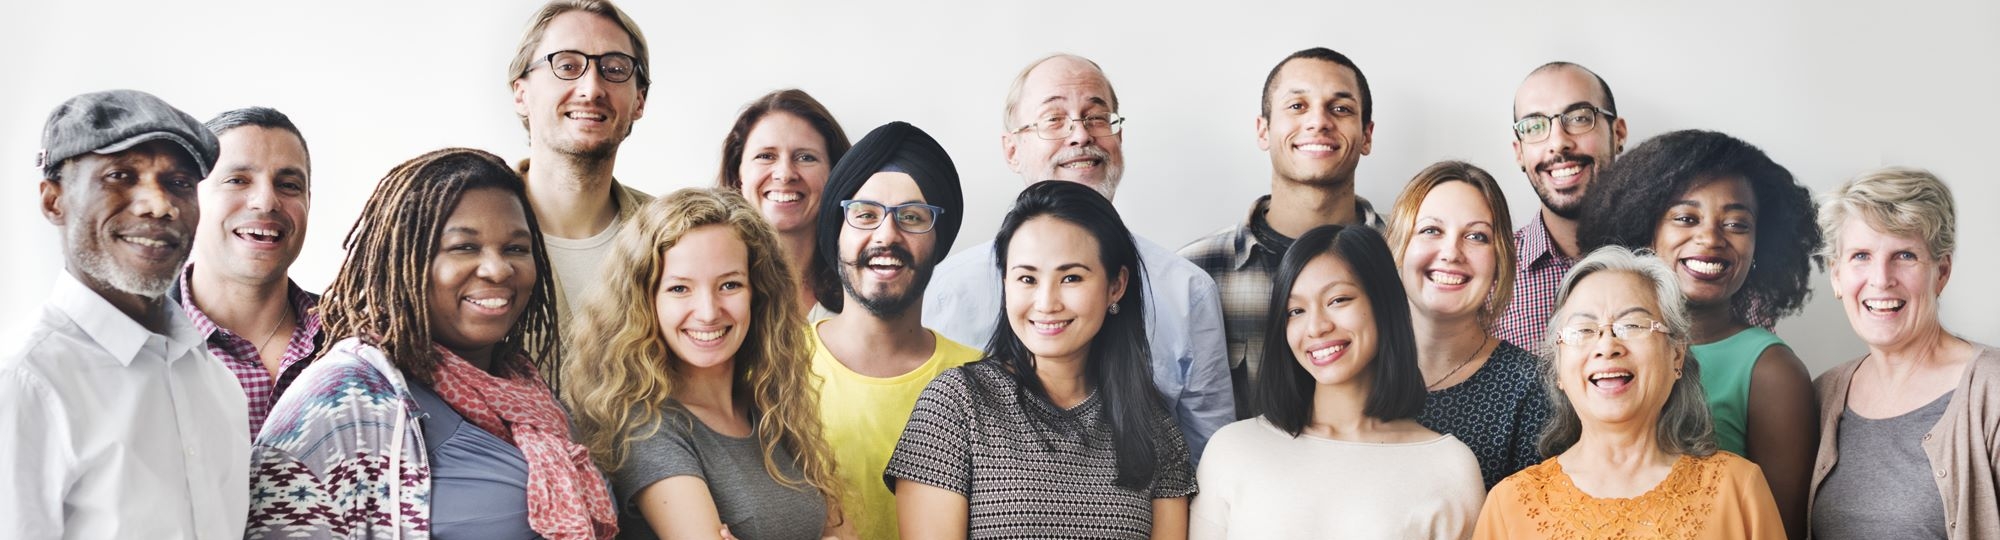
x: 567, y: 499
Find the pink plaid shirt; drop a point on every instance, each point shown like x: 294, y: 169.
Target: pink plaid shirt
x: 240, y: 354
x: 1538, y: 272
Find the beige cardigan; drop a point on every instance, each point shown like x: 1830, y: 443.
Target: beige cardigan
x: 1962, y: 446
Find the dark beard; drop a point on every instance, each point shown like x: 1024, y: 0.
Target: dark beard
x: 889, y: 305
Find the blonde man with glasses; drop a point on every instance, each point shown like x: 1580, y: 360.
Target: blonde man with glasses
x: 1061, y: 122
x: 579, y: 80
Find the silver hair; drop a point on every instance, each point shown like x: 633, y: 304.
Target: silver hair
x: 1684, y: 425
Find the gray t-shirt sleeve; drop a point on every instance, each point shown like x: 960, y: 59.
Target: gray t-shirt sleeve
x: 670, y: 452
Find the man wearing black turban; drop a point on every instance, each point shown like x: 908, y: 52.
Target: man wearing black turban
x: 890, y: 212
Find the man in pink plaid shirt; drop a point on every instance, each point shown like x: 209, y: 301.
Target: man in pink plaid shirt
x: 236, y: 288
x: 1566, y: 130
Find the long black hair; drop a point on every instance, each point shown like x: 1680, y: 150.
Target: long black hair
x: 1119, y: 364
x: 1285, y: 390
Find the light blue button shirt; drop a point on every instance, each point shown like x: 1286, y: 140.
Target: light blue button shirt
x: 1183, y: 321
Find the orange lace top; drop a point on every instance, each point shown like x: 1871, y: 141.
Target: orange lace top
x: 1719, y: 496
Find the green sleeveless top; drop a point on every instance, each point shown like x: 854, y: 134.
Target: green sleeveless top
x: 1725, y: 377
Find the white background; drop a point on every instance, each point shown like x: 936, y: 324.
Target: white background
x: 1829, y: 89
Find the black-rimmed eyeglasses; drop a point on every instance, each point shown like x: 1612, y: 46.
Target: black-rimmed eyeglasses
x: 1535, y: 128
x: 615, y: 67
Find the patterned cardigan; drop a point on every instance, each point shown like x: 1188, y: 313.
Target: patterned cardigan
x: 319, y: 468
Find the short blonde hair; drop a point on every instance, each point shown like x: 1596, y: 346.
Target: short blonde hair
x: 539, y: 25
x: 1404, y: 219
x: 1902, y: 201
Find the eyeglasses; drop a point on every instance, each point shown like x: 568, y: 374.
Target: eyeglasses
x: 1584, y: 334
x: 1057, y: 128
x: 913, y: 218
x: 1534, y: 128
x: 615, y: 67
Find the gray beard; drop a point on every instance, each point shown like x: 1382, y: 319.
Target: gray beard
x: 97, y: 266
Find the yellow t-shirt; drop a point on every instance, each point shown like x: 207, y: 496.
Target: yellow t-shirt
x: 864, y: 418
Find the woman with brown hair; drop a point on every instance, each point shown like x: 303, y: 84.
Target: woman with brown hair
x: 692, y: 384
x: 778, y: 154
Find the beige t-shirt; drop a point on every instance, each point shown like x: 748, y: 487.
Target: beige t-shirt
x: 1259, y: 482
x: 577, y: 262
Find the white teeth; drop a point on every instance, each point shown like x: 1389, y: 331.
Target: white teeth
x: 1079, y: 164
x: 1446, y: 278
x: 705, y: 336
x: 1883, y: 305
x: 586, y: 116
x: 1704, y: 267
x: 884, y: 261
x: 148, y: 242
x: 489, y: 303
x: 1609, y: 374
x: 1049, y: 327
x: 1566, y: 172
x: 258, y: 232
x: 783, y: 196
x: 1326, y: 352
x: 1316, y: 147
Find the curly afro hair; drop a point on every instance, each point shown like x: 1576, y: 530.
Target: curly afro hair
x: 1625, y: 208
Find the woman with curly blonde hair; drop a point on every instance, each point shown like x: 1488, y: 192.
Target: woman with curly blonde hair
x: 691, y: 379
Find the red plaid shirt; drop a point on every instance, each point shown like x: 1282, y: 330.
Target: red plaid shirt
x: 1538, y: 272
x: 241, y: 356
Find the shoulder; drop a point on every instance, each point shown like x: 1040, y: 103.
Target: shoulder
x: 1515, y: 362
x: 972, y: 259
x: 348, y: 366
x: 1219, y: 244
x: 1833, y: 382
x: 1729, y: 469
x: 953, y: 353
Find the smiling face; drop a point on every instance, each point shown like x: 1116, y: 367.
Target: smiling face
x: 704, y: 297
x: 885, y: 270
x: 483, y: 275
x: 587, y: 117
x: 1610, y: 380
x: 1058, y: 290
x: 1066, y: 88
x: 1709, y: 235
x: 1314, y: 132
x: 784, y: 170
x: 1562, y: 167
x: 1330, y: 323
x: 256, y: 202
x: 1451, y: 263
x: 127, y: 219
x: 1887, y: 284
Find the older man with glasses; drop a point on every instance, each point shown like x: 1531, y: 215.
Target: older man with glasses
x: 576, y: 118
x: 1566, y: 130
x: 1061, y: 122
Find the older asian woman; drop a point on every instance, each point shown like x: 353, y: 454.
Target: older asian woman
x: 1906, y: 432
x: 1738, y: 232
x: 1634, y: 451
x: 1456, y: 260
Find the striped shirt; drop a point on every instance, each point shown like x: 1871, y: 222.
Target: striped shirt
x: 1243, y: 259
x: 240, y: 354
x: 1538, y: 272
x: 1027, y: 468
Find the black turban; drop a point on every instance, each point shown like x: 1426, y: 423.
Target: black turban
x: 899, y: 146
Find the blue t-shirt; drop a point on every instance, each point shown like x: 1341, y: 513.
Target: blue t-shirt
x: 479, y: 482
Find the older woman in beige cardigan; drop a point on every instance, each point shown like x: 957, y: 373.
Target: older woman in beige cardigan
x: 1906, y: 432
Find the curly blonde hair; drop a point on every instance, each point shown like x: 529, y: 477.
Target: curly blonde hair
x: 622, y: 373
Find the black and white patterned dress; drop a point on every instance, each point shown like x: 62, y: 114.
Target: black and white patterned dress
x: 1499, y: 412
x: 1027, y: 468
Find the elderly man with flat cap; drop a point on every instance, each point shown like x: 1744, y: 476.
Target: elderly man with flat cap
x: 891, y: 210
x: 121, y: 424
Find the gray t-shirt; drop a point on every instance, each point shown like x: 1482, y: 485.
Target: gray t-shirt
x: 751, y: 503
x: 1882, y: 486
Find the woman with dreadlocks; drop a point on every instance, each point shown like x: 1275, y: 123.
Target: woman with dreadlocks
x: 428, y: 416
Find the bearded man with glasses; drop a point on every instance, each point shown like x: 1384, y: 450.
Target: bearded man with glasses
x: 1061, y: 122
x: 1566, y: 130
x: 579, y: 80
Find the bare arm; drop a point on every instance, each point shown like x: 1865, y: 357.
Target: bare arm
x: 681, y: 507
x: 1170, y: 519
x: 927, y: 512
x: 1783, y: 431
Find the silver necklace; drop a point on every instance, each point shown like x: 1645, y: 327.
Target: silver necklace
x: 1461, y: 364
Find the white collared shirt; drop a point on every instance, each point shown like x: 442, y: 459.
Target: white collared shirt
x: 119, y: 432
